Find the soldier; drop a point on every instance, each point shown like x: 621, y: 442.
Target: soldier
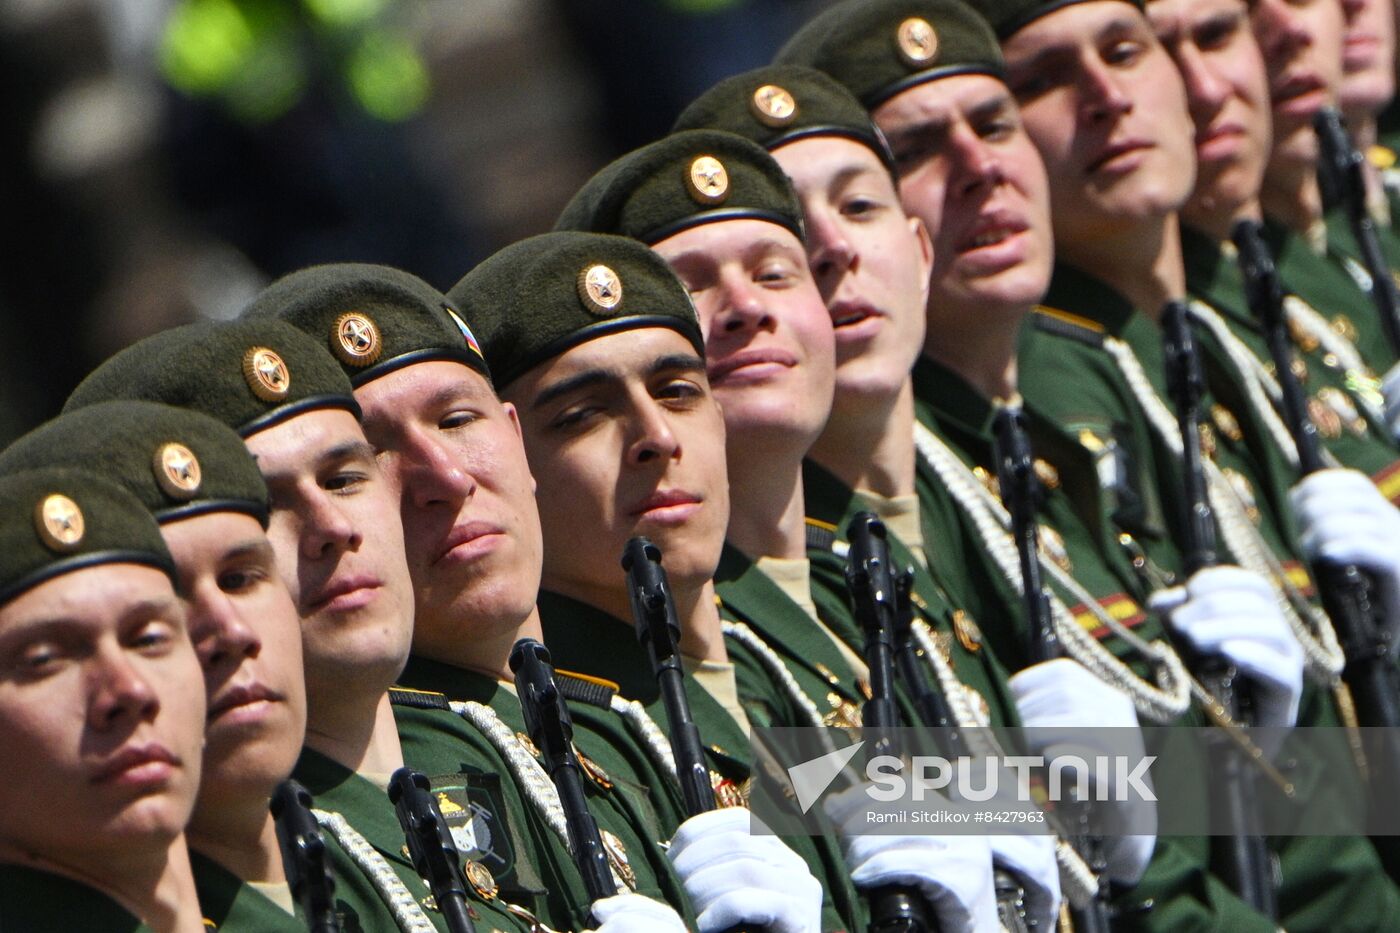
x: 101, y: 713
x: 335, y: 533
x: 473, y: 537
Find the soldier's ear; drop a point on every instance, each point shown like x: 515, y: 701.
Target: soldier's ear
x: 920, y: 231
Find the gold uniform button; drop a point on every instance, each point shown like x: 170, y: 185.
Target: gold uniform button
x: 267, y: 374
x: 177, y: 471
x: 600, y: 289
x: 709, y: 181
x: 773, y: 106
x: 917, y: 41
x: 1226, y: 422
x: 355, y: 339
x: 59, y: 522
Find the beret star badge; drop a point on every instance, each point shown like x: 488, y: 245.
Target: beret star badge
x: 355, y: 339
x: 917, y: 41
x: 59, y: 522
x: 177, y: 471
x: 266, y: 373
x: 600, y: 289
x: 773, y: 106
x: 709, y: 182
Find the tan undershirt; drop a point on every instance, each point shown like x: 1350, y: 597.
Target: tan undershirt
x: 279, y: 892
x: 794, y: 578
x: 901, y: 516
x: 717, y: 677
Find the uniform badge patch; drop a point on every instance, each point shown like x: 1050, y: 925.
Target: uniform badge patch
x: 177, y: 471
x: 917, y: 41
x: 266, y: 374
x: 708, y: 180
x: 355, y: 339
x: 59, y: 522
x: 773, y: 106
x: 600, y: 289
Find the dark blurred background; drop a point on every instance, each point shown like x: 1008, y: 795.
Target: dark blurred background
x: 165, y: 159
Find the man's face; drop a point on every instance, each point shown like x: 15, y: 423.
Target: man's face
x: 335, y: 530
x: 471, y: 526
x: 1105, y: 106
x: 870, y: 260
x: 248, y: 638
x: 968, y: 170
x: 101, y: 715
x: 628, y: 441
x: 769, y: 349
x: 1227, y: 92
x: 1302, y: 45
x: 1368, y: 55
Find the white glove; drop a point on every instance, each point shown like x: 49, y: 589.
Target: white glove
x: 633, y: 913
x: 735, y: 877
x: 1234, y: 612
x: 1031, y: 860
x: 1344, y: 518
x: 954, y: 873
x: 1390, y: 388
x: 1064, y: 706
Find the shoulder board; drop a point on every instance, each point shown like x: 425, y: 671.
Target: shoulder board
x: 582, y: 688
x: 821, y: 536
x: 418, y: 699
x: 1064, y: 324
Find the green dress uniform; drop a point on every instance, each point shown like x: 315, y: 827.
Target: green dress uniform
x: 37, y: 901
x: 1337, y: 244
x: 830, y: 506
x: 1344, y: 403
x: 1335, y: 285
x: 229, y: 903
x: 1177, y: 891
x: 530, y: 860
x: 1066, y: 367
x: 366, y: 808
x: 586, y: 639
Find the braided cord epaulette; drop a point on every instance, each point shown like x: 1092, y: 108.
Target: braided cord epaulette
x: 1162, y: 702
x: 408, y: 914
x: 1312, y: 323
x: 1321, y: 651
x: 529, y: 775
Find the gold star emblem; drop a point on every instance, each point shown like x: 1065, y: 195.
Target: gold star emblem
x: 600, y: 289
x: 60, y: 523
x: 709, y: 181
x: 917, y: 41
x: 266, y: 373
x: 177, y: 471
x: 356, y: 340
x: 773, y: 106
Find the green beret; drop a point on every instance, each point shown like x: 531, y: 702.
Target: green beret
x: 1010, y: 16
x: 780, y: 104
x: 682, y: 181
x: 176, y: 461
x: 880, y: 48
x: 57, y: 520
x: 373, y: 319
x: 538, y: 298
x: 251, y: 374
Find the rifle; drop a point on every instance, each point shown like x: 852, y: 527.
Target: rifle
x: 659, y: 632
x: 1341, y: 174
x: 1020, y: 493
x: 430, y: 845
x: 935, y: 712
x: 897, y: 908
x: 549, y: 726
x: 304, y: 856
x: 1348, y: 593
x: 1246, y: 865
